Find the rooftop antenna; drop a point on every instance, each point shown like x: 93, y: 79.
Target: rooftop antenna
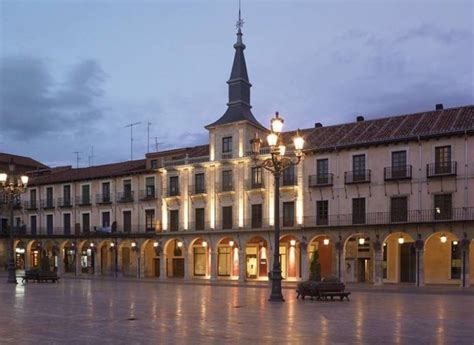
x: 91, y: 157
x: 131, y: 137
x: 156, y: 144
x: 148, y: 137
x: 78, y: 158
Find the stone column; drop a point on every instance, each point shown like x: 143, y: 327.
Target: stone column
x: 420, y: 265
x: 340, y: 260
x: 78, y: 261
x: 28, y: 258
x: 140, y: 265
x: 163, y: 259
x: 304, y: 261
x: 242, y: 272
x: 465, y: 278
x: 378, y: 267
x: 60, y: 257
x: 213, y: 263
x: 187, y: 264
x: 97, y: 260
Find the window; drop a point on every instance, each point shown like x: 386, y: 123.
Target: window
x: 227, y: 184
x: 456, y: 256
x: 105, y: 191
x: 257, y: 216
x: 33, y: 225
x: 86, y: 225
x: 49, y: 197
x: 288, y: 213
x: 227, y: 217
x: 49, y: 224
x: 67, y: 223
x: 199, y: 218
x: 86, y: 196
x: 227, y: 145
x: 399, y: 209
x: 399, y: 164
x: 174, y: 185
x: 105, y: 219
x: 33, y: 198
x: 150, y: 220
x: 358, y: 211
x: 289, y: 178
x: 199, y: 183
x: 322, y: 212
x: 174, y: 220
x: 127, y: 190
x: 199, y: 261
x: 127, y: 221
x: 224, y: 260
x: 322, y: 171
x: 150, y: 187
x: 443, y: 206
x: 67, y: 195
x: 257, y: 178
x: 443, y: 159
x: 154, y: 164
x: 358, y: 168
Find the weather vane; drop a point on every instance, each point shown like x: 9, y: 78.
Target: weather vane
x: 240, y: 23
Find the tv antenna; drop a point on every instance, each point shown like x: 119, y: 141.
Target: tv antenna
x: 148, y: 137
x: 131, y: 125
x: 157, y: 143
x: 78, y: 158
x: 91, y: 157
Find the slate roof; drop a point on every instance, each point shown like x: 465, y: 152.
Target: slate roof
x: 22, y: 163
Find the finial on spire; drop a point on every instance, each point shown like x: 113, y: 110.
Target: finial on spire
x: 240, y: 21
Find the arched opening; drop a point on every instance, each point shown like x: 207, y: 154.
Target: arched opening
x: 20, y: 257
x: 399, y: 258
x: 323, y: 247
x: 151, y: 259
x: 442, y: 259
x: 68, y: 256
x: 108, y: 258
x: 129, y: 258
x: 227, y: 259
x: 359, y: 259
x: 50, y: 256
x: 88, y: 257
x: 290, y: 258
x: 257, y: 258
x: 200, y: 258
x: 34, y: 250
x: 174, y: 258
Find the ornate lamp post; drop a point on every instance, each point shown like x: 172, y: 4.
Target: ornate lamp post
x: 11, y: 187
x: 276, y: 164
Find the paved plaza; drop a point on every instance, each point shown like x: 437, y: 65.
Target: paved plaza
x: 81, y: 311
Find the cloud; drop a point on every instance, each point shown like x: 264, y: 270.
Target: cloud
x: 33, y: 103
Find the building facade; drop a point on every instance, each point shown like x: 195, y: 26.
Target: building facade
x: 389, y: 200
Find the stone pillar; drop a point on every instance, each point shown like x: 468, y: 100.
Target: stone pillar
x: 340, y: 260
x: 213, y: 263
x: 27, y: 257
x: 304, y: 261
x: 78, y: 261
x: 420, y: 265
x: 97, y: 260
x: 242, y: 271
x: 163, y: 259
x: 465, y: 278
x: 60, y: 257
x: 378, y: 267
x: 140, y: 265
x: 187, y: 264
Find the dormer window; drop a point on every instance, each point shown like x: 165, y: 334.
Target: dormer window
x: 227, y: 146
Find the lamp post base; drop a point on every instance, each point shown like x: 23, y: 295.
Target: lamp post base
x: 276, y: 295
x: 11, y: 274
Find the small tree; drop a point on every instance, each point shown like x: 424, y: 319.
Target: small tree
x: 315, y: 268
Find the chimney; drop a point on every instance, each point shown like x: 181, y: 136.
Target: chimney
x: 360, y: 118
x: 318, y: 125
x: 439, y: 106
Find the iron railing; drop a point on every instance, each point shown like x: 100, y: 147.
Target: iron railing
x: 321, y: 180
x: 123, y: 197
x: 441, y: 169
x: 84, y: 200
x: 148, y: 194
x: 64, y: 202
x: 47, y: 204
x: 251, y: 184
x: 103, y: 199
x: 31, y: 204
x: 397, y: 173
x: 197, y: 189
x: 357, y: 176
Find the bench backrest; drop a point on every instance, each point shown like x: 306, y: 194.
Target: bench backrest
x: 331, y: 287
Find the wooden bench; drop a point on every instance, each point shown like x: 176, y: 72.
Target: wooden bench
x: 332, y: 289
x: 326, y: 295
x: 40, y: 277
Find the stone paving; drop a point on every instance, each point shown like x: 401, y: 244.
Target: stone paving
x: 80, y: 311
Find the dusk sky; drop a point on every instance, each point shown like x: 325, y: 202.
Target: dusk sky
x: 74, y: 73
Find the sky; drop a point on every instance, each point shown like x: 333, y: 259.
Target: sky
x: 73, y: 74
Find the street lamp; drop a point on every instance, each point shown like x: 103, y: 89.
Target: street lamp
x: 11, y: 187
x: 276, y: 164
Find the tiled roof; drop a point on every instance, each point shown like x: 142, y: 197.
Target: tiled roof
x: 22, y: 162
x: 396, y: 128
x: 68, y: 174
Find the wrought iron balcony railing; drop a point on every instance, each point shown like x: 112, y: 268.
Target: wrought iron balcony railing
x: 124, y: 197
x: 31, y: 205
x: 357, y: 176
x: 321, y: 180
x: 288, y: 180
x: 197, y: 189
x: 397, y: 173
x: 173, y: 191
x: 65, y: 202
x: 441, y: 169
x: 84, y: 200
x: 148, y: 194
x: 103, y: 199
x: 251, y: 184
x: 47, y: 204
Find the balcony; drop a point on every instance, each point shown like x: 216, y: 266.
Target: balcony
x: 103, y: 199
x: 397, y: 173
x: 441, y: 169
x: 289, y: 181
x: 321, y: 180
x: 197, y: 189
x: 225, y: 187
x: 148, y: 194
x: 47, y: 204
x: 31, y: 205
x: 83, y: 200
x: 64, y: 202
x: 399, y: 217
x: 227, y: 155
x: 357, y: 176
x: 255, y: 185
x: 124, y: 197
x: 173, y: 191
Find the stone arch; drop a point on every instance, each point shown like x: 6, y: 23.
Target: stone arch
x: 227, y: 258
x: 358, y: 253
x: 442, y: 258
x: 19, y: 248
x: 199, y: 254
x: 175, y: 252
x: 324, y: 245
x: 128, y: 258
x: 290, y: 257
x: 257, y: 258
x: 150, y: 253
x: 33, y: 254
x: 68, y: 255
x: 108, y: 257
x: 399, y: 257
x: 87, y: 256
